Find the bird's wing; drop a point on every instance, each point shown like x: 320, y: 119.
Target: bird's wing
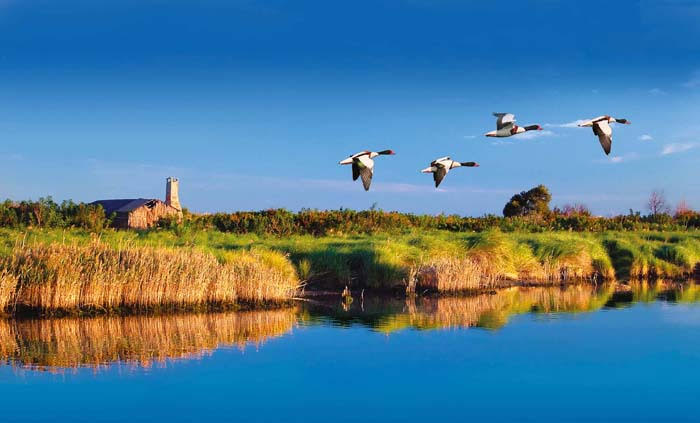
x: 505, y: 120
x: 366, y: 174
x: 365, y: 166
x: 439, y: 175
x: 365, y: 161
x: 604, y: 132
x: 355, y: 171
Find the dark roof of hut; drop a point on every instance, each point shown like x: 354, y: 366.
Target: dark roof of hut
x: 123, y: 205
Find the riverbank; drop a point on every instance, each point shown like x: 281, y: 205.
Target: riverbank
x: 50, y: 270
x: 96, y: 277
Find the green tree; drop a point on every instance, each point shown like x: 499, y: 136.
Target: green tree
x: 534, y: 201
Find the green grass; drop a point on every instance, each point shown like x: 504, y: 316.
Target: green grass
x: 440, y: 260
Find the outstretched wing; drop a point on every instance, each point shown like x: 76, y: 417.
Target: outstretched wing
x: 366, y: 174
x: 505, y: 120
x: 365, y: 166
x: 355, y: 171
x: 439, y: 175
x: 604, y: 132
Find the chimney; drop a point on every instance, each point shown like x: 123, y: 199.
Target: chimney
x: 172, y: 197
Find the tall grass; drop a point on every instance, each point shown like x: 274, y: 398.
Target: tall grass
x: 51, y: 277
x: 422, y: 260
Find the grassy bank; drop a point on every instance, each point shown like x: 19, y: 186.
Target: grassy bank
x: 427, y: 260
x: 51, y: 277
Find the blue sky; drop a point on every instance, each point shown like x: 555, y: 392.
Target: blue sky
x: 253, y: 103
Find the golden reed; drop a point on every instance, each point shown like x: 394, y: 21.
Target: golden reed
x: 55, y: 344
x: 478, y: 272
x: 51, y: 277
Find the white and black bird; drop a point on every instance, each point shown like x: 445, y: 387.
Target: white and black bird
x: 363, y: 165
x: 506, y: 127
x: 601, y: 128
x: 440, y: 167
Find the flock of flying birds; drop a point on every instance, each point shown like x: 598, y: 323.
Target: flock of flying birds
x: 363, y: 162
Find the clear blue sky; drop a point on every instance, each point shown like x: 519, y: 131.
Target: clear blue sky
x: 253, y: 103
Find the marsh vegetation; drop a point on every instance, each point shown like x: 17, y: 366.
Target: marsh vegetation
x: 185, y: 266
x: 94, y: 276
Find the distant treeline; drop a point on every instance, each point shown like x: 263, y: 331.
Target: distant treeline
x: 280, y: 222
x: 315, y: 222
x: 47, y: 213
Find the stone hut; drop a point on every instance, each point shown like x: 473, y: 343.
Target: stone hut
x: 142, y: 213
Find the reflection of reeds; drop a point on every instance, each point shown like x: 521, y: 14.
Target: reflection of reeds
x: 56, y: 276
x: 142, y: 340
x: 493, y: 310
x: 650, y: 291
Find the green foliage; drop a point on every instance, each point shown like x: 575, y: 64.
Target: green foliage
x: 534, y: 201
x: 46, y: 213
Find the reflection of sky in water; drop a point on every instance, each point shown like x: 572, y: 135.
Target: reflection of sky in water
x: 682, y: 314
x: 617, y: 364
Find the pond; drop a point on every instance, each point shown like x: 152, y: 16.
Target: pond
x: 577, y: 353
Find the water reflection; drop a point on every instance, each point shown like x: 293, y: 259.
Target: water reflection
x: 50, y: 344
x: 492, y: 310
x: 57, y: 344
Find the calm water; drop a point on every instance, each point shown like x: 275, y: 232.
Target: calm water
x: 576, y: 354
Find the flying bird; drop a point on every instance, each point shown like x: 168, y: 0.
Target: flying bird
x: 440, y: 167
x: 506, y: 127
x: 363, y: 165
x: 601, y: 128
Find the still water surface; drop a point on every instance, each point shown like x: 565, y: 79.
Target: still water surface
x: 521, y: 354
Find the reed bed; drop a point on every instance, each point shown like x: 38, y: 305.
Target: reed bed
x: 56, y: 344
x: 493, y: 259
x: 53, y: 277
x: 433, y: 260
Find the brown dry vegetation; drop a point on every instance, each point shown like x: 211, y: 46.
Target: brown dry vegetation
x: 201, y: 267
x: 50, y: 277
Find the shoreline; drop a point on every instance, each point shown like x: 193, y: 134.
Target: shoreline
x: 74, y: 272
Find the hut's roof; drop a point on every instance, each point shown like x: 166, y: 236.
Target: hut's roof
x: 122, y: 205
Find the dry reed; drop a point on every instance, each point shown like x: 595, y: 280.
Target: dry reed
x: 481, y: 271
x: 51, y: 277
